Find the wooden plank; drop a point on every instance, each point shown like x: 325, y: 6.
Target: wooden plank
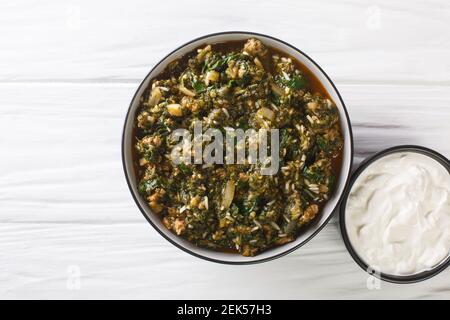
x: 68, y: 73
x: 354, y: 41
x: 51, y: 260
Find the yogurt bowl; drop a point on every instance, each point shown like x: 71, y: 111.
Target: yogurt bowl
x: 394, y: 217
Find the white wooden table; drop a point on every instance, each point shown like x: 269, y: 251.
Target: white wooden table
x: 68, y: 70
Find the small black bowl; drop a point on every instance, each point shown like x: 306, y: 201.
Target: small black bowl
x: 368, y: 161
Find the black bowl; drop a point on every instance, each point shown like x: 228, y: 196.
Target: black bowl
x: 383, y: 276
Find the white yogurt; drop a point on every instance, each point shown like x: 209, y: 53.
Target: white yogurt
x: 398, y: 214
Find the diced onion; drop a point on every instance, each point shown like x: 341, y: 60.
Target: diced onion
x: 186, y: 91
x: 211, y: 76
x: 258, y: 63
x: 203, y: 52
x: 228, y: 194
x: 276, y: 89
x: 155, y: 96
x: 175, y: 109
x: 266, y: 113
x: 313, y: 105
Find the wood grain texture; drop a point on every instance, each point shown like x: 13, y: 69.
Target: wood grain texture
x: 357, y: 41
x: 67, y: 74
x: 130, y: 260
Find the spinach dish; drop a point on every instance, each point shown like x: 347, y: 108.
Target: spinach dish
x: 233, y: 207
